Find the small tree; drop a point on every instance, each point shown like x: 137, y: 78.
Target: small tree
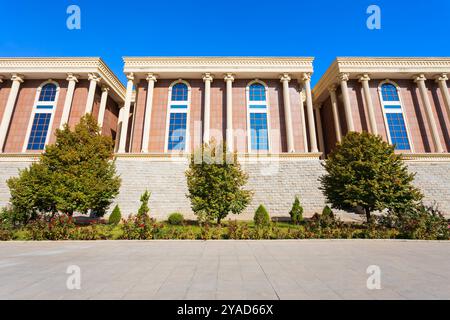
x: 144, y: 208
x: 364, y: 171
x: 215, y: 183
x: 76, y: 174
x: 261, y: 217
x: 296, y: 212
x: 115, y: 216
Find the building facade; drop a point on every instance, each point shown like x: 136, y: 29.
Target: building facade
x: 261, y: 107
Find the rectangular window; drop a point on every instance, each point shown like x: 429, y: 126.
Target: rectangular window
x: 259, y: 134
x: 177, y: 131
x: 397, y: 130
x: 39, y: 131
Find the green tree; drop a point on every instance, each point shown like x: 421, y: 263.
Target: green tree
x: 76, y: 174
x: 215, y: 183
x: 261, y: 217
x: 144, y: 208
x: 296, y: 212
x: 364, y: 171
x: 115, y: 216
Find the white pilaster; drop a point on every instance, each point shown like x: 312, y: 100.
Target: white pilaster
x: 319, y: 129
x: 151, y: 79
x: 126, y: 113
x: 285, y: 78
x: 7, y: 114
x: 207, y: 79
x: 334, y: 109
x: 94, y: 79
x: 119, y: 129
x: 343, y: 78
x: 101, y: 111
x: 442, y: 81
x: 310, y: 112
x: 369, y: 104
x: 420, y: 80
x: 303, y: 119
x: 72, y: 79
x: 229, y: 78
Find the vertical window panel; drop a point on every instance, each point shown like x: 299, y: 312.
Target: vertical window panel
x: 39, y: 131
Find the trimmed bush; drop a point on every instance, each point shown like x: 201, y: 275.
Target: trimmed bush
x: 176, y: 219
x: 144, y: 208
x: 261, y: 217
x: 115, y: 216
x: 296, y: 212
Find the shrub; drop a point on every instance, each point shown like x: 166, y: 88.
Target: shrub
x: 115, y: 216
x: 75, y: 174
x: 144, y: 209
x: 417, y: 222
x: 325, y: 220
x: 261, y: 217
x: 296, y: 212
x: 140, y: 228
x: 175, y: 219
x: 215, y: 183
x: 364, y: 171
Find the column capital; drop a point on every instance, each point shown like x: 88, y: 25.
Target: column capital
x: 94, y: 77
x: 364, y: 77
x: 207, y: 77
x: 151, y: 77
x: 72, y: 77
x: 228, y: 77
x: 285, y: 77
x: 343, y: 77
x: 105, y: 89
x: 419, y: 78
x: 18, y: 77
x: 442, y: 77
x: 332, y: 88
x: 130, y: 76
x: 306, y: 76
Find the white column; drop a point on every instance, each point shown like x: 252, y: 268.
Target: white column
x: 94, y: 79
x: 302, y: 115
x: 72, y: 79
x: 420, y: 80
x: 334, y: 109
x: 442, y: 81
x: 207, y: 79
x: 369, y: 104
x: 151, y: 79
x: 126, y: 113
x: 310, y: 112
x: 7, y: 114
x: 119, y: 129
x: 229, y: 78
x: 285, y: 78
x: 319, y: 129
x: 101, y: 111
x: 343, y: 78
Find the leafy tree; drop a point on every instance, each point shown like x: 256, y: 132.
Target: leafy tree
x: 364, y: 171
x: 115, y: 216
x: 296, y: 212
x: 261, y: 217
x: 215, y: 183
x: 76, y: 174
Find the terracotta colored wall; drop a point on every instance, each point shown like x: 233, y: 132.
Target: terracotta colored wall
x: 5, y: 87
x: 78, y: 102
x: 111, y: 118
x: 413, y: 109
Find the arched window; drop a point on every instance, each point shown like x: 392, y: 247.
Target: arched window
x: 394, y: 117
x: 41, y: 120
x: 179, y: 100
x: 257, y: 117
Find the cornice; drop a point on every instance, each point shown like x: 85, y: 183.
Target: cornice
x: 380, y: 66
x: 64, y: 65
x: 218, y: 64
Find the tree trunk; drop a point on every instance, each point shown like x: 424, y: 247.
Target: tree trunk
x: 368, y: 215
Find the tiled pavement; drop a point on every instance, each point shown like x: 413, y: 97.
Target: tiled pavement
x: 259, y: 270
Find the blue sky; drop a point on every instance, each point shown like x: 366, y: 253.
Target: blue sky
x: 323, y: 29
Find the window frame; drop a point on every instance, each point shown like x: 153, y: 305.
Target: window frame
x: 36, y: 110
x: 258, y: 110
x: 385, y: 104
x: 170, y: 103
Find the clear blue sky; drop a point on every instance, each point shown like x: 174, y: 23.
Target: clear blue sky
x: 323, y: 29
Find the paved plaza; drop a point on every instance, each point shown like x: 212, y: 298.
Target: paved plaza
x: 259, y: 270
